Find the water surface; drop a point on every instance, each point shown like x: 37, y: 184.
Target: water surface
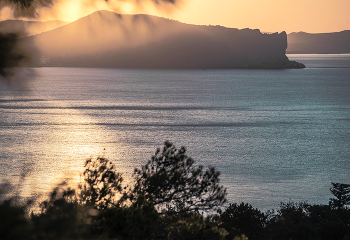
x: 275, y: 135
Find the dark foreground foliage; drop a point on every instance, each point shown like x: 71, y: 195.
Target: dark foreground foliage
x: 172, y: 198
x: 173, y: 183
x: 242, y: 218
x: 10, y: 54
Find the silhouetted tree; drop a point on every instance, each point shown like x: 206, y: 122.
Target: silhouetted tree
x: 10, y: 55
x: 174, y: 184
x: 300, y: 221
x: 291, y: 222
x: 61, y: 216
x: 102, y: 184
x: 140, y: 220
x: 100, y: 210
x: 244, y: 219
x: 14, y: 220
x: 25, y: 8
x: 328, y: 222
x: 190, y: 225
x: 15, y: 223
x: 342, y: 193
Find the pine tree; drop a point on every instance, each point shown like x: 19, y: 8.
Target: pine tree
x: 173, y: 182
x: 342, y: 193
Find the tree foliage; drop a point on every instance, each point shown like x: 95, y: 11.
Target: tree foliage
x: 102, y: 182
x: 242, y: 218
x: 341, y: 192
x: 171, y: 180
x: 305, y: 221
x: 190, y: 225
x: 26, y: 8
x: 140, y: 220
x: 14, y: 222
x: 61, y: 216
x: 10, y: 55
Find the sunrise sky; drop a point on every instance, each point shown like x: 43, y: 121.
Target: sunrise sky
x: 314, y: 16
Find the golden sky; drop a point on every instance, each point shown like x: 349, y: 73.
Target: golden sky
x: 314, y: 16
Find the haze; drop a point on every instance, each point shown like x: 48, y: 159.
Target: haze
x: 313, y: 16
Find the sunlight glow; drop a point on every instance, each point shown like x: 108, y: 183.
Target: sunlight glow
x: 6, y: 13
x: 268, y: 16
x: 68, y: 10
x: 61, y: 155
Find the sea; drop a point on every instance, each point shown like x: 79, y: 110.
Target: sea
x: 275, y: 135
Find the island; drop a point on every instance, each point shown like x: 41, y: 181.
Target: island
x: 108, y: 39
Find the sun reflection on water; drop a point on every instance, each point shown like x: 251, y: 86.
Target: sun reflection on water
x: 56, y: 143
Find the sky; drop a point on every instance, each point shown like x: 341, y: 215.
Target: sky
x: 313, y: 16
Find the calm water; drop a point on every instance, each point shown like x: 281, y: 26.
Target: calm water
x: 275, y: 135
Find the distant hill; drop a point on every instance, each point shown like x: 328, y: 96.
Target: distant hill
x: 108, y: 39
x: 28, y: 28
x: 312, y: 43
